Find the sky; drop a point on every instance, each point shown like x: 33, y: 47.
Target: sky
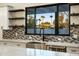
x: 47, y: 17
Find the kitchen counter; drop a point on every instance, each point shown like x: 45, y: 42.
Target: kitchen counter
x: 47, y: 43
x: 15, y: 51
x: 18, y: 47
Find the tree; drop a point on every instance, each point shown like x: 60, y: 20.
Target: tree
x: 31, y: 22
x: 39, y: 22
x: 42, y: 18
x: 51, y: 18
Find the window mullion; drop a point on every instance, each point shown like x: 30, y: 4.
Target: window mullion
x: 56, y: 21
x: 35, y: 21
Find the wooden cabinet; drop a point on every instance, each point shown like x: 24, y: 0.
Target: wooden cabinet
x: 12, y: 49
x: 73, y: 50
x: 36, y: 45
x: 57, y: 48
x: 8, y: 48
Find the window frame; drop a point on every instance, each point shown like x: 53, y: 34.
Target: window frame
x: 56, y: 19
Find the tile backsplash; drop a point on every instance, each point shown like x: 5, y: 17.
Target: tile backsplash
x: 18, y: 33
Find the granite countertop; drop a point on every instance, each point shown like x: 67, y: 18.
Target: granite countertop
x: 47, y: 43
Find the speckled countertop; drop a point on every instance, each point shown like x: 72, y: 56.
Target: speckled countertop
x: 47, y: 43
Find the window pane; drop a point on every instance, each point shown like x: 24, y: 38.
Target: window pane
x: 63, y: 20
x: 45, y: 20
x: 30, y: 20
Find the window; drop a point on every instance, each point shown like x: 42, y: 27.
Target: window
x: 47, y: 20
x: 30, y: 20
x: 63, y: 19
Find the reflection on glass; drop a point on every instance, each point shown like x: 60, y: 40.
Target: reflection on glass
x: 48, y: 20
x: 30, y: 21
x: 45, y: 18
x: 63, y: 19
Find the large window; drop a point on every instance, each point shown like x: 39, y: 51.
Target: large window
x: 51, y: 19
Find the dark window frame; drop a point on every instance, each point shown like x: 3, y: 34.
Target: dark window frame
x: 56, y: 22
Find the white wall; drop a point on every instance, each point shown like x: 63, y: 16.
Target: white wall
x: 4, y: 17
x: 22, y: 5
x: 4, y: 22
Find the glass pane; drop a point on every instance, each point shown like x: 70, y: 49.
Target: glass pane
x: 63, y: 21
x: 45, y: 20
x: 30, y: 20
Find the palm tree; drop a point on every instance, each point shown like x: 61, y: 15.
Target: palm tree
x: 31, y: 21
x: 39, y: 22
x: 42, y: 18
x: 39, y: 25
x: 43, y: 21
x: 51, y: 19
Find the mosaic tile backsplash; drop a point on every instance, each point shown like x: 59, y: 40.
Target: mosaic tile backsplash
x: 19, y: 33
